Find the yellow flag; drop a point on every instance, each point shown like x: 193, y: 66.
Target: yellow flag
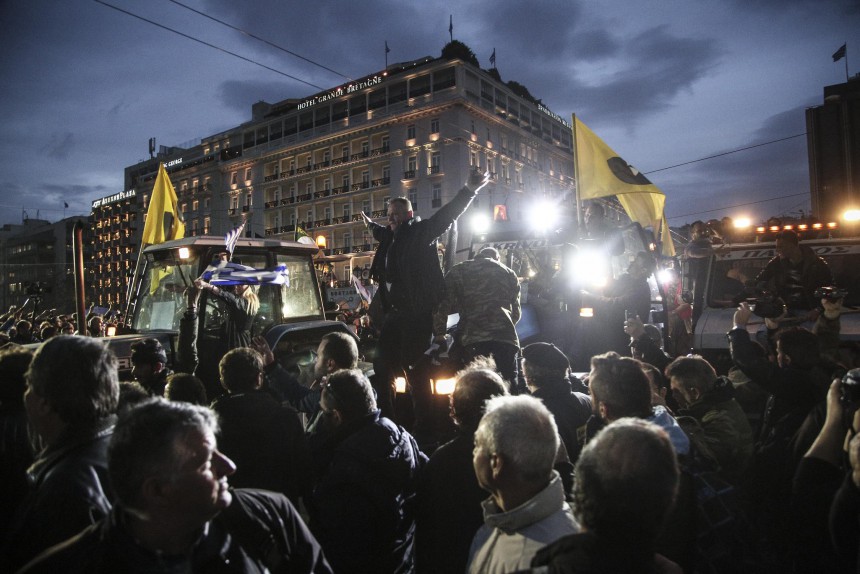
x: 162, y: 201
x: 602, y: 173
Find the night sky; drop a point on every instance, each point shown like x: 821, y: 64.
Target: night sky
x: 662, y: 82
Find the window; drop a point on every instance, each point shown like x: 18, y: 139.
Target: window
x: 249, y: 200
x: 473, y: 159
x: 435, y: 163
x: 195, y: 205
x: 385, y: 143
x: 347, y: 241
x: 386, y: 173
x: 413, y: 199
x: 327, y: 213
x: 365, y: 176
x: 412, y: 163
x: 410, y: 132
x: 248, y: 174
x: 365, y: 147
x: 234, y: 178
x: 345, y: 181
x: 309, y: 187
x: 436, y: 195
x: 434, y: 126
x: 234, y: 202
x: 347, y: 211
x: 344, y: 152
x: 207, y: 225
x: 365, y: 206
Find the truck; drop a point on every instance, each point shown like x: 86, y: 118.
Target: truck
x: 291, y: 315
x: 735, y: 264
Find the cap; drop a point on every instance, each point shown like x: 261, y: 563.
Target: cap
x: 148, y: 351
x: 546, y: 355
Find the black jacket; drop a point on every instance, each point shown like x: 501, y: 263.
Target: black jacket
x: 259, y: 530
x: 70, y: 491
x: 265, y: 440
x: 409, y: 260
x: 362, y: 509
x: 571, y: 411
x: 814, y: 274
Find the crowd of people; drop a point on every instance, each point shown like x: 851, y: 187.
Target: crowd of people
x: 652, y: 462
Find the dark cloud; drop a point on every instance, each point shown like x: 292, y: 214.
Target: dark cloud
x: 60, y: 145
x: 655, y: 68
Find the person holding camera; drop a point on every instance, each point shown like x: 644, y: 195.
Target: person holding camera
x: 795, y: 273
x: 796, y: 383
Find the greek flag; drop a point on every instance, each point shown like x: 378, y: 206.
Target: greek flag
x: 232, y: 237
x: 228, y: 273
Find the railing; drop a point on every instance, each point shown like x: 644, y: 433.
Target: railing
x: 410, y: 174
x: 434, y: 169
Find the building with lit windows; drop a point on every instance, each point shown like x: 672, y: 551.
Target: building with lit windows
x: 37, y: 264
x: 114, y: 225
x: 415, y: 130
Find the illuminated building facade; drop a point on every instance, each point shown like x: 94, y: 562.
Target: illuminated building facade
x: 36, y: 263
x: 416, y: 130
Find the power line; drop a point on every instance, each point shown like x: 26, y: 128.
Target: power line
x: 722, y: 154
x: 249, y: 34
x: 220, y: 49
x: 737, y: 205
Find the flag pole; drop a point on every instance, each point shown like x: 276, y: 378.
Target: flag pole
x: 576, y: 176
x: 846, y: 62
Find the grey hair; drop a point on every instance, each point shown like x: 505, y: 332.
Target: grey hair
x: 144, y: 444
x: 523, y: 431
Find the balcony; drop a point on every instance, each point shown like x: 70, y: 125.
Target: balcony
x: 322, y: 193
x: 360, y: 155
x: 272, y: 177
x: 321, y: 164
x: 360, y: 185
x: 410, y: 174
x: 434, y: 170
x: 380, y: 182
x: 301, y: 170
x: 287, y: 200
x: 246, y: 208
x: 232, y: 211
x: 305, y: 197
x: 270, y: 204
x: 339, y: 190
x: 379, y: 151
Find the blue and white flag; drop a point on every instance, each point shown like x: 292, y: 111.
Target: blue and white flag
x: 228, y: 273
x: 232, y: 237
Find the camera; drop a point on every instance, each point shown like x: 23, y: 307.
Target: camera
x: 851, y: 387
x: 766, y: 304
x: 831, y: 293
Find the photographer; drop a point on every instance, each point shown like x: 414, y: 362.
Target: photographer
x: 795, y: 273
x: 796, y: 384
x: 817, y: 480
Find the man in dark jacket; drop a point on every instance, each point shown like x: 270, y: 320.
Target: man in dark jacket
x: 406, y: 266
x: 709, y: 414
x: 796, y: 384
x: 546, y: 372
x: 149, y: 365
x: 795, y: 273
x: 261, y: 435
x: 362, y: 508
x: 449, y: 496
x: 175, y: 511
x: 71, y: 397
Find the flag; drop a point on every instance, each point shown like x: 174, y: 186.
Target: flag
x: 451, y: 24
x: 163, y: 201
x: 362, y: 291
x: 303, y: 237
x: 65, y: 205
x: 493, y: 58
x: 840, y: 53
x: 226, y: 273
x: 232, y: 237
x: 602, y: 173
x: 387, y: 49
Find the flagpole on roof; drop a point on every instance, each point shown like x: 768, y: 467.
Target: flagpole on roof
x: 451, y: 26
x: 846, y: 62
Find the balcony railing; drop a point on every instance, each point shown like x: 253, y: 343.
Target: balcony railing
x: 409, y: 174
x: 434, y: 169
